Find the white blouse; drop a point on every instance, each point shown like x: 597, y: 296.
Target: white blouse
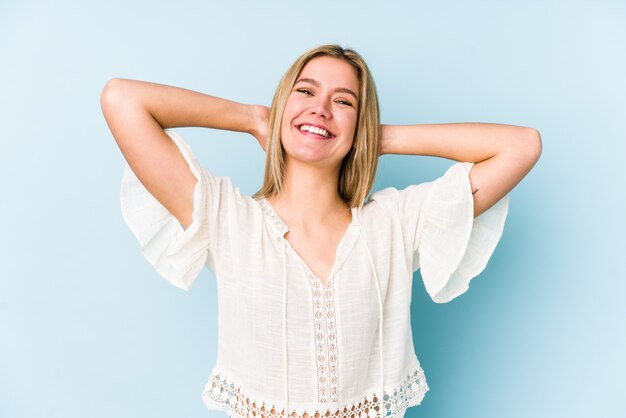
x: 286, y: 340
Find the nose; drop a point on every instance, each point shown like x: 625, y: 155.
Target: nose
x: 321, y: 108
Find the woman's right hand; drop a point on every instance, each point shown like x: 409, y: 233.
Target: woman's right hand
x: 260, y: 124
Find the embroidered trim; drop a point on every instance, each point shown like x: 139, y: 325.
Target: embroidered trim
x: 223, y: 395
x: 269, y: 211
x: 325, y: 339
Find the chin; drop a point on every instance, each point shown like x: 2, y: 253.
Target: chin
x: 309, y: 155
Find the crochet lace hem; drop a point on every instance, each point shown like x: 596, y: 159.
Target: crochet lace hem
x: 222, y: 395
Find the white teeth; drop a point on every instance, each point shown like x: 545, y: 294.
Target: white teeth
x: 315, y: 130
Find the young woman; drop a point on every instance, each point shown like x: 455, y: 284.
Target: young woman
x: 314, y: 277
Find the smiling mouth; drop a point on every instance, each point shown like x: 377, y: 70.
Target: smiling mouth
x: 315, y: 130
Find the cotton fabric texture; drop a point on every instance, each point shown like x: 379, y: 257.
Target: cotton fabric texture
x: 288, y: 341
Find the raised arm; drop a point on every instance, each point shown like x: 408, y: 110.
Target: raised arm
x: 137, y: 113
x: 503, y: 154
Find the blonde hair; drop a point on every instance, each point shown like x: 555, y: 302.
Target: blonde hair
x: 358, y: 167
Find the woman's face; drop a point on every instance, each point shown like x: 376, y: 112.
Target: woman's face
x: 321, y: 112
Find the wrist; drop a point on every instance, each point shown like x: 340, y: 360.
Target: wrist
x: 257, y: 120
x: 384, y: 140
x: 250, y: 124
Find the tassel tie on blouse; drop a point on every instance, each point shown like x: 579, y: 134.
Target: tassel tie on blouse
x: 380, y: 325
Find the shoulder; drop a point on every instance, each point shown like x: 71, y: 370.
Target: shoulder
x: 381, y: 204
x: 414, y: 196
x: 392, y: 199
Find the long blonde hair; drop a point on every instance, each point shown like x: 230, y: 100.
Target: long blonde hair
x: 358, y: 167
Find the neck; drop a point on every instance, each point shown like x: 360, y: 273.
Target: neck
x: 309, y: 195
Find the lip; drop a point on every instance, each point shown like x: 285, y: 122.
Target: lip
x: 317, y: 125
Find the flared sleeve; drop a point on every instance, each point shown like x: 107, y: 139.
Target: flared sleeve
x: 176, y: 253
x: 446, y: 243
x: 453, y: 247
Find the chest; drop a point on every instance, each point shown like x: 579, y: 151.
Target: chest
x: 317, y: 249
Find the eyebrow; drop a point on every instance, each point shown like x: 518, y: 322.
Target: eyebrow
x: 317, y: 84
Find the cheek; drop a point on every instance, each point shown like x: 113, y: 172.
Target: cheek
x: 289, y: 114
x: 285, y: 134
x: 285, y: 125
x: 350, y: 125
x: 286, y: 120
x: 292, y: 106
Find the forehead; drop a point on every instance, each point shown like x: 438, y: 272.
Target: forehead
x: 331, y: 72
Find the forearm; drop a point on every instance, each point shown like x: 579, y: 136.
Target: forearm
x: 174, y: 107
x: 471, y: 142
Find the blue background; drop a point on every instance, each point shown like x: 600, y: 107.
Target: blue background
x: 88, y: 328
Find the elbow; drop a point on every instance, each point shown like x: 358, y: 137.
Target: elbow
x: 109, y: 92
x: 532, y: 145
x: 116, y: 97
x: 536, y: 144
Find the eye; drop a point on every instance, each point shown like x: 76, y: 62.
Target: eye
x: 344, y: 102
x: 305, y: 91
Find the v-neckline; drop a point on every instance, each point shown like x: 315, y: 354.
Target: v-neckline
x: 283, y: 228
